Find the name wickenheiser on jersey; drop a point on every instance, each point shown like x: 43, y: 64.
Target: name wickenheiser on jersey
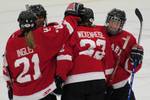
x: 87, y: 34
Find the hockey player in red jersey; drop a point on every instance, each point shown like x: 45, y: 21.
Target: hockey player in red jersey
x: 29, y: 59
x: 125, y: 51
x: 41, y: 15
x: 81, y: 61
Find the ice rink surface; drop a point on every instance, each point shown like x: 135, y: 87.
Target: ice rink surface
x: 9, y: 10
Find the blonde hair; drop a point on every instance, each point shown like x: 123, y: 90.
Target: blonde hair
x: 30, y: 39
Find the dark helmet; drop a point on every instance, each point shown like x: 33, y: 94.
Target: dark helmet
x: 116, y: 15
x: 27, y: 20
x: 87, y: 15
x: 38, y: 10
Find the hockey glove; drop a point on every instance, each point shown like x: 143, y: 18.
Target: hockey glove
x: 74, y: 9
x: 58, y: 81
x: 136, y: 54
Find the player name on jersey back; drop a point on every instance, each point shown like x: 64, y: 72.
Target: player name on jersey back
x: 88, y: 34
x: 24, y: 51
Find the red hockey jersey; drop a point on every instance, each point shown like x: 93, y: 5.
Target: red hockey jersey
x: 85, y: 56
x: 123, y: 40
x: 32, y: 70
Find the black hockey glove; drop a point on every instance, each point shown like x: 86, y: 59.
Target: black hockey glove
x: 58, y: 81
x: 136, y: 55
x: 74, y: 9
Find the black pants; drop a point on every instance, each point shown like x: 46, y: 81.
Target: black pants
x: 119, y: 94
x: 49, y: 97
x: 89, y: 90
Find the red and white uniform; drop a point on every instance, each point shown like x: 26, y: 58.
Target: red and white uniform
x: 127, y: 40
x: 32, y: 70
x: 85, y: 56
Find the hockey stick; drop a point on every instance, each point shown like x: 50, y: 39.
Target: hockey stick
x: 9, y: 84
x: 139, y: 15
x: 118, y: 60
x: 10, y: 90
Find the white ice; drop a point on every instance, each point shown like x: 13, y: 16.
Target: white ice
x: 9, y: 10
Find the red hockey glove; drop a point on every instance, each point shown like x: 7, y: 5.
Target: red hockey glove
x: 74, y: 9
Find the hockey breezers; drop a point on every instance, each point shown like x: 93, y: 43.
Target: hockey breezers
x: 139, y: 15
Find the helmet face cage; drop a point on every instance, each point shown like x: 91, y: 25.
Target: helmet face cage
x: 115, y: 21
